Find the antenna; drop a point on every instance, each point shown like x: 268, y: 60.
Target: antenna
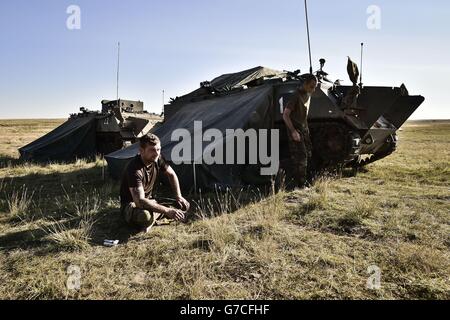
x: 309, y: 41
x: 360, y: 74
x: 163, y: 93
x: 118, y: 69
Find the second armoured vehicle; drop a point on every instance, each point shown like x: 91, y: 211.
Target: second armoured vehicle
x: 88, y: 133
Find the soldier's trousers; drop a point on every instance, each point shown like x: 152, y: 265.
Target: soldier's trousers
x: 300, y: 152
x: 139, y: 218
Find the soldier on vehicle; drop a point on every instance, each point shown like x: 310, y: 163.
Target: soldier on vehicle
x: 295, y: 117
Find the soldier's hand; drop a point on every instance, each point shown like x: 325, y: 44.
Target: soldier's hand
x: 296, y: 136
x: 175, y: 214
x: 183, y: 203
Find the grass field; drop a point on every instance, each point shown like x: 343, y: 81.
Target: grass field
x: 328, y: 242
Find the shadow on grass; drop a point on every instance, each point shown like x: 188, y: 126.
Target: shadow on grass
x: 8, y: 161
x: 50, y: 185
x: 50, y: 188
x: 108, y: 225
x: 55, y: 197
x: 22, y: 239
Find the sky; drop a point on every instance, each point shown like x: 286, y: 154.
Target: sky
x: 48, y: 70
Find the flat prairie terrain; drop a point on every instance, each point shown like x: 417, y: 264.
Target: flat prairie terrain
x: 382, y: 234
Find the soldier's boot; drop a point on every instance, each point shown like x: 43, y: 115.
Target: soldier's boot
x: 302, y: 182
x: 301, y: 177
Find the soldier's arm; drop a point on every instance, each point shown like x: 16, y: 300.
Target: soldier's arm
x: 173, y: 180
x: 287, y: 119
x: 142, y: 202
x: 175, y: 184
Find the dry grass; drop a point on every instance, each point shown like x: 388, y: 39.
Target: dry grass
x: 74, y: 233
x: 304, y: 244
x: 19, y: 203
x: 70, y: 239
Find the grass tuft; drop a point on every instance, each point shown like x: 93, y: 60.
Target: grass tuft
x: 19, y: 203
x: 75, y: 233
x: 355, y: 216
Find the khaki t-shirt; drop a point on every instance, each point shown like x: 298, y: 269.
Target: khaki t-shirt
x: 298, y: 105
x: 137, y: 174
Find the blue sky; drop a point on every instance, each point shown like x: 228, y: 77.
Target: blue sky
x: 49, y: 71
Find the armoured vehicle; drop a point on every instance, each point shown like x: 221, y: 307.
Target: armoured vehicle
x: 350, y: 125
x: 88, y: 133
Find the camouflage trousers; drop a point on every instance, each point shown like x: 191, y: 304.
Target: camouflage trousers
x: 300, y: 155
x: 139, y: 218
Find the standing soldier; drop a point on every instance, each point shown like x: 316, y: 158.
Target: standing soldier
x: 295, y: 117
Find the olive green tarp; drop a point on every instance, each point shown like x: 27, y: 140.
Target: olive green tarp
x: 246, y: 109
x: 73, y: 139
x: 238, y: 79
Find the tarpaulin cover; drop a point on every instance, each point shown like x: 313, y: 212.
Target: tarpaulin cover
x: 235, y: 80
x: 250, y: 108
x: 73, y: 139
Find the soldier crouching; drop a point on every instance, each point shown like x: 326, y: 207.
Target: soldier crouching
x: 138, y: 207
